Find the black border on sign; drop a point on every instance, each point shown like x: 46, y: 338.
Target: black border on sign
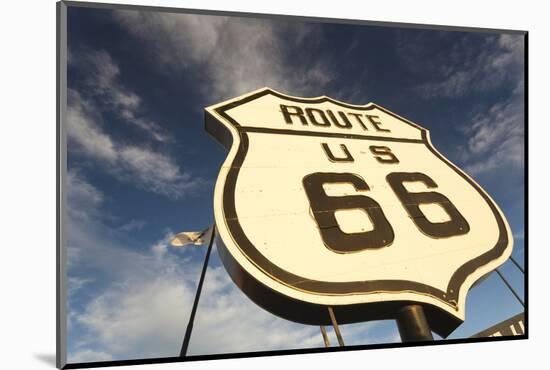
x: 440, y: 321
x: 61, y: 151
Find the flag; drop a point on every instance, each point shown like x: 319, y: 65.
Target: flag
x: 192, y: 237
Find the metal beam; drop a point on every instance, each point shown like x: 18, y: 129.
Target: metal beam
x: 336, y: 328
x: 510, y: 287
x: 517, y: 264
x: 325, y: 336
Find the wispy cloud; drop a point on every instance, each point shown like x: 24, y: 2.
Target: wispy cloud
x: 138, y: 165
x: 84, y: 198
x: 470, y: 65
x: 76, y: 283
x: 139, y: 297
x: 143, y: 311
x: 519, y: 236
x: 497, y: 138
x: 231, y: 55
x: 83, y: 129
x: 465, y: 63
x: 138, y: 318
x: 146, y: 317
x: 132, y: 225
x: 369, y: 332
x: 103, y: 85
x: 88, y: 355
x: 91, y: 242
x: 227, y: 321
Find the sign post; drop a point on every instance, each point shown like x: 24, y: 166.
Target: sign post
x: 323, y: 204
x: 412, y: 324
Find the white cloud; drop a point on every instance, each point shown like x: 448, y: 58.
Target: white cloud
x: 132, y: 225
x: 519, y: 235
x: 91, y: 243
x: 139, y: 318
x: 155, y: 172
x: 368, y: 333
x: 235, y: 55
x: 472, y: 63
x: 138, y: 165
x: 143, y: 318
x: 103, y: 86
x: 83, y: 198
x: 143, y: 313
x: 87, y: 355
x: 227, y: 321
x: 497, y: 138
x: 139, y: 297
x: 82, y: 129
x: 74, y: 284
x: 177, y: 39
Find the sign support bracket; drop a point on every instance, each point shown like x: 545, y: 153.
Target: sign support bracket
x: 336, y: 328
x: 517, y: 264
x: 325, y: 336
x: 510, y: 287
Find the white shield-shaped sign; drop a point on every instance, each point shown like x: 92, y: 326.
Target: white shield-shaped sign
x: 321, y: 203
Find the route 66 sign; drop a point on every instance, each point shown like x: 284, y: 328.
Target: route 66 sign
x: 321, y: 203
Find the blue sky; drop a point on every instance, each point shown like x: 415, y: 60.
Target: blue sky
x: 141, y: 166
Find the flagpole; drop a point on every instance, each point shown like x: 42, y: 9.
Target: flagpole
x: 187, y: 337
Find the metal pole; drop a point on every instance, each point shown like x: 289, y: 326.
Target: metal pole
x: 189, y: 329
x: 325, y: 336
x: 517, y: 264
x: 510, y: 287
x: 336, y: 328
x: 412, y: 324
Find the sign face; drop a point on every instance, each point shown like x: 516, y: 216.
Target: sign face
x: 321, y: 203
